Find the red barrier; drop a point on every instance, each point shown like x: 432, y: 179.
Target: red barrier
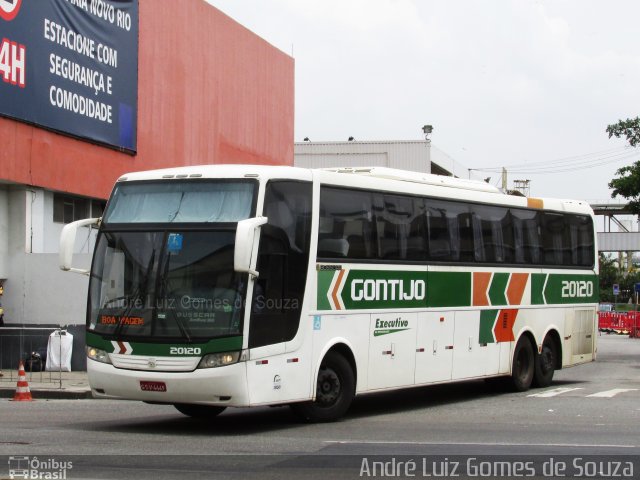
x: 622, y: 323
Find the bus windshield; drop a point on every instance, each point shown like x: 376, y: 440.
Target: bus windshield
x: 190, y: 201
x: 166, y: 284
x: 163, y: 264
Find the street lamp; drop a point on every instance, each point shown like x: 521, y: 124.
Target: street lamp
x: 427, y: 129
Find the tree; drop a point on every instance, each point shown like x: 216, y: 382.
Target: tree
x: 630, y: 128
x: 609, y: 274
x: 627, y: 184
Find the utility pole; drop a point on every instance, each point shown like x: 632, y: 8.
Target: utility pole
x: 504, y: 179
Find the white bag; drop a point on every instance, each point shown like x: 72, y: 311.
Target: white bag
x: 59, y: 351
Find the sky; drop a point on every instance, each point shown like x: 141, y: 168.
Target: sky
x: 529, y: 85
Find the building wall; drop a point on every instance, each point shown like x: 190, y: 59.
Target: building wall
x: 36, y: 290
x: 4, y: 231
x: 404, y: 155
x: 447, y: 163
x: 210, y: 91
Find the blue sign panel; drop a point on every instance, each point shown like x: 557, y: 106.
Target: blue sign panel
x: 174, y: 242
x: 616, y: 289
x: 72, y: 66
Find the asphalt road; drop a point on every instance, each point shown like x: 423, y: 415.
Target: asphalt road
x: 590, y: 413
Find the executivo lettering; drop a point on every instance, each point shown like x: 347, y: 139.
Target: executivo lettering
x: 397, y: 323
x: 385, y: 327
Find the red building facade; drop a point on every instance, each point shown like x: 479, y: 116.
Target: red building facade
x: 209, y: 91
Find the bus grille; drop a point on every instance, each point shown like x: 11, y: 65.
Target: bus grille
x: 154, y: 364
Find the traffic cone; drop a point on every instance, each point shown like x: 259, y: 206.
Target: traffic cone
x: 23, y: 394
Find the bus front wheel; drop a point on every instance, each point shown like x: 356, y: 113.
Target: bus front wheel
x: 199, y: 411
x: 545, y: 363
x: 335, y: 390
x: 523, y: 365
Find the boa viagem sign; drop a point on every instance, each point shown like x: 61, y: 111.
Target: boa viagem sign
x: 72, y: 66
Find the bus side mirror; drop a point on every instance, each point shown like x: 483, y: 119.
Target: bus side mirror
x: 67, y: 243
x: 245, y: 238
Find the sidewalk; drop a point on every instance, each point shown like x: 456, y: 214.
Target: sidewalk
x: 47, y: 385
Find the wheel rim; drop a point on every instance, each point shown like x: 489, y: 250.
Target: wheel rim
x: 329, y: 387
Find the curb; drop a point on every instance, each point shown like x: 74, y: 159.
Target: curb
x: 50, y: 394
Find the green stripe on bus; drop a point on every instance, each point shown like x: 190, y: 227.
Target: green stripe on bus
x: 487, y: 321
x: 537, y: 284
x: 571, y: 289
x: 390, y: 289
x: 497, y: 289
x: 558, y: 289
x: 324, y: 282
x: 449, y: 289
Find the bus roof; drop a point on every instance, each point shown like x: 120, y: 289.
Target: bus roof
x: 380, y: 178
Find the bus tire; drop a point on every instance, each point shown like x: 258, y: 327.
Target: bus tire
x: 523, y: 368
x: 199, y: 411
x: 335, y: 389
x: 545, y: 363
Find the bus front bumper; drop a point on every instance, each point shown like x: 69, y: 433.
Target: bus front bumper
x: 223, y: 386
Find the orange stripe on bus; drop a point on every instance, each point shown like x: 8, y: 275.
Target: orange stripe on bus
x: 336, y: 287
x: 481, y: 282
x: 516, y: 287
x: 504, y: 326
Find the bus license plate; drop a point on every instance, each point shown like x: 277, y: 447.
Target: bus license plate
x: 153, y: 386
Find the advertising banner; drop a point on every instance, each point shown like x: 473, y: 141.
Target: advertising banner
x: 72, y: 66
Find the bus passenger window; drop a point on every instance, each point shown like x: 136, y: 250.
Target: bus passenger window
x: 557, y: 242
x: 526, y: 235
x: 494, y: 231
x: 399, y: 222
x: 581, y: 229
x: 444, y: 220
x: 346, y: 224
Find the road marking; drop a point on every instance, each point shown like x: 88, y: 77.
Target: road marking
x: 496, y: 444
x: 554, y: 392
x: 612, y: 393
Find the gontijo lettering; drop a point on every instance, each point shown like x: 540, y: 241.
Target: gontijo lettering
x: 393, y: 289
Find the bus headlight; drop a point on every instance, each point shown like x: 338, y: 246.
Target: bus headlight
x: 98, y: 355
x: 213, y: 360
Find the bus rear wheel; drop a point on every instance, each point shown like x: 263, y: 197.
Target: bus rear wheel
x: 523, y: 368
x: 335, y: 390
x: 199, y: 411
x: 545, y: 363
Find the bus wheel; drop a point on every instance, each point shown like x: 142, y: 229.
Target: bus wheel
x: 334, y: 391
x: 199, y: 411
x: 523, y: 365
x: 545, y: 363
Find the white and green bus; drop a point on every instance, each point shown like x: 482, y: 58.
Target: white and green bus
x: 238, y: 286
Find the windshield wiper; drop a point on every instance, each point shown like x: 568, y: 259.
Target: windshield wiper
x: 162, y: 294
x: 137, y: 293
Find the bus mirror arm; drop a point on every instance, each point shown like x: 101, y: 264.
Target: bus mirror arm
x: 245, y: 238
x: 67, y: 243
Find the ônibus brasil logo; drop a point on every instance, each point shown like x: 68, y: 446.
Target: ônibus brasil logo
x: 9, y: 9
